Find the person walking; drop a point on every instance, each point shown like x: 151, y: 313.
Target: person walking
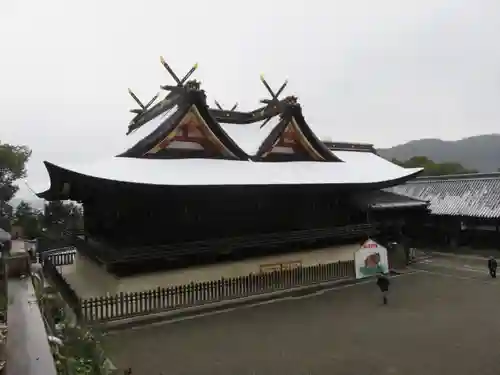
x: 492, y: 266
x: 383, y: 284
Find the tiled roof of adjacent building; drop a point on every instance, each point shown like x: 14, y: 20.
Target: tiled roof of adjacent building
x: 381, y: 200
x: 474, y: 195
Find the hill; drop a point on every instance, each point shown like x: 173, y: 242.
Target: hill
x: 480, y: 152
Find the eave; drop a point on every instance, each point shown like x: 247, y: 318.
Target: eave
x: 362, y: 171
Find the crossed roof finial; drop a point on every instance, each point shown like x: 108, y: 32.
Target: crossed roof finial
x: 274, y: 102
x: 181, y: 84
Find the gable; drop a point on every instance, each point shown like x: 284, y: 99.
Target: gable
x: 292, y: 141
x: 191, y: 134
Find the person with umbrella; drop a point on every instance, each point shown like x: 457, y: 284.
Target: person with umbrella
x: 383, y: 284
x: 492, y: 266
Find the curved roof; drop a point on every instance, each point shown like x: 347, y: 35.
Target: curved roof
x: 357, y: 168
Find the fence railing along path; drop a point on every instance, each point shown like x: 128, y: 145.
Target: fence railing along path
x: 126, y: 305
x: 59, y: 257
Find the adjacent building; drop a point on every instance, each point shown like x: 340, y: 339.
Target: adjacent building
x: 464, y: 209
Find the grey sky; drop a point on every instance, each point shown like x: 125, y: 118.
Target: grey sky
x: 383, y: 72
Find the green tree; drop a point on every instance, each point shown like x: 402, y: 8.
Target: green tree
x: 28, y: 219
x: 13, y: 161
x: 59, y: 216
x: 23, y: 210
x: 434, y: 169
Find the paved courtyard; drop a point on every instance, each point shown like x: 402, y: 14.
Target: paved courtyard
x: 443, y: 319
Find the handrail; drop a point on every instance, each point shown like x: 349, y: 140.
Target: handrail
x: 185, y: 248
x: 59, y: 250
x: 259, y: 238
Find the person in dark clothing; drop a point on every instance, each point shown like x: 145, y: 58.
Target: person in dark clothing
x: 492, y: 266
x: 383, y: 284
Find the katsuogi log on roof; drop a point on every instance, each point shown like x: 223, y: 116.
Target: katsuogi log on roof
x: 181, y: 126
x: 273, y: 107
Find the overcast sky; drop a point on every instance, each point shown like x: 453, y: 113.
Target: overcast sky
x: 383, y: 72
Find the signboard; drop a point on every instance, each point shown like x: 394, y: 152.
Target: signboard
x: 291, y: 265
x: 269, y: 268
x: 370, y: 259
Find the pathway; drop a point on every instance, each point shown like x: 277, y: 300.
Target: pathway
x: 433, y: 325
x: 28, y: 351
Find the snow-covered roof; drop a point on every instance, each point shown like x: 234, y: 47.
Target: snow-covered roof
x: 357, y: 168
x: 149, y: 127
x: 250, y: 136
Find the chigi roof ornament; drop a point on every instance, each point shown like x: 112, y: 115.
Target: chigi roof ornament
x: 181, y: 84
x: 143, y: 108
x: 273, y: 104
x: 149, y: 111
x: 227, y: 112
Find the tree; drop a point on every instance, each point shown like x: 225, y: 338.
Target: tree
x: 28, y: 219
x: 59, y: 216
x: 434, y: 169
x: 6, y: 213
x: 23, y: 210
x: 13, y: 161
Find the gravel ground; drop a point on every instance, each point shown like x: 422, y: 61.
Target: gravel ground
x: 434, y: 324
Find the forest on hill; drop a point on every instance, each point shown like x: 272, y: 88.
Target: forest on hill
x: 479, y: 153
x: 431, y: 168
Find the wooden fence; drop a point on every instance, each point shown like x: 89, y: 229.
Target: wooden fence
x: 59, y: 257
x: 126, y: 305
x: 68, y: 294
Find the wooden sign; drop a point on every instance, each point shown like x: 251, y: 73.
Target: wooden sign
x: 291, y: 265
x: 274, y: 267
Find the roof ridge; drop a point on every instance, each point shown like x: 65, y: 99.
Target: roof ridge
x: 461, y: 177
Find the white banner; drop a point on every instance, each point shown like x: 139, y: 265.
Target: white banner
x: 370, y: 259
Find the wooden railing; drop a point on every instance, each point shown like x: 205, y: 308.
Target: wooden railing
x: 59, y: 257
x: 173, y: 251
x: 68, y: 294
